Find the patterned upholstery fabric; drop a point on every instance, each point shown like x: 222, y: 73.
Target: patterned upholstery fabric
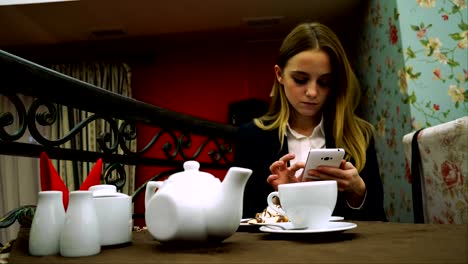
x: 444, y: 166
x: 5, y: 252
x: 24, y: 215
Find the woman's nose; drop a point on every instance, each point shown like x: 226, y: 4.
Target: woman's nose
x: 311, y: 89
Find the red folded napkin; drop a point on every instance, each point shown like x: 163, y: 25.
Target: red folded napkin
x: 51, y: 180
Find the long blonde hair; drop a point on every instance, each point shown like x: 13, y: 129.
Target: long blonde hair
x: 349, y: 131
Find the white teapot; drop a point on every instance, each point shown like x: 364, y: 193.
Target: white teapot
x: 195, y: 206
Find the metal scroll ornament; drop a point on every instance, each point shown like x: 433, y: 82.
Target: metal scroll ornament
x: 118, y: 135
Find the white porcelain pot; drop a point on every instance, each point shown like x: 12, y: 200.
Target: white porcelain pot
x: 195, y: 206
x: 114, y: 212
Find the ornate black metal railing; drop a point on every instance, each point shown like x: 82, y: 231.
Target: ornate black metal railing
x: 51, y: 89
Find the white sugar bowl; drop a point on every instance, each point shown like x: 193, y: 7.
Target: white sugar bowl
x: 114, y: 212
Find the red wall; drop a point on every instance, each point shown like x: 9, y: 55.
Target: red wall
x: 200, y: 78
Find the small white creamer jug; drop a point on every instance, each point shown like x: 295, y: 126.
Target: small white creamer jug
x: 80, y: 235
x: 47, y: 224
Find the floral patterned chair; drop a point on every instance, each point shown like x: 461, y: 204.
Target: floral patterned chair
x: 440, y: 171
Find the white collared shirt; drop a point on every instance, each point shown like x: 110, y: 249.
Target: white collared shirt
x: 300, y: 144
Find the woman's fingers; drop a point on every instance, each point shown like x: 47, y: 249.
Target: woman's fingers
x: 347, y: 176
x: 298, y: 165
x: 272, y: 178
x: 292, y: 171
x: 348, y: 165
x: 280, y: 173
x: 282, y: 163
x: 288, y: 157
x: 344, y: 164
x: 277, y: 166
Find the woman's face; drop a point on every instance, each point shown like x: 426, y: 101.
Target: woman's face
x: 307, y: 80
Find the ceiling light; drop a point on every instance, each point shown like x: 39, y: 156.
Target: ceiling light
x: 27, y: 2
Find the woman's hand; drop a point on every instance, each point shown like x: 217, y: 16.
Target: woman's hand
x: 281, y: 173
x: 348, y: 180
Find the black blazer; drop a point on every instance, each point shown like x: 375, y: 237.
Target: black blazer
x: 257, y: 149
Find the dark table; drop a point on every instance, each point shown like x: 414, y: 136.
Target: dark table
x: 370, y: 242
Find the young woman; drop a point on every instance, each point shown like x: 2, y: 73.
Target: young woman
x: 314, y: 98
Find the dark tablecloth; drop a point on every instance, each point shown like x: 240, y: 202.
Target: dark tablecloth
x: 370, y: 242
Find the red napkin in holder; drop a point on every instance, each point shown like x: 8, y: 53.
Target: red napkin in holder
x: 51, y: 180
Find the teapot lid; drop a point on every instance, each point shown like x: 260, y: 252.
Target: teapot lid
x: 191, y: 165
x: 105, y: 190
x: 191, y: 169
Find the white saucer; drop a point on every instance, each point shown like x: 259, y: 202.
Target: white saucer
x: 245, y: 223
x: 332, y: 227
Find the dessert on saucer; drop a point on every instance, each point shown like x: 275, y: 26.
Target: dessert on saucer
x: 268, y: 216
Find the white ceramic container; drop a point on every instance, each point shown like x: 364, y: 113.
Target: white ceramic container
x: 47, y: 224
x: 80, y: 235
x: 114, y: 213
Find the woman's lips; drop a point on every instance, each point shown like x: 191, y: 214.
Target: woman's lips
x: 310, y: 103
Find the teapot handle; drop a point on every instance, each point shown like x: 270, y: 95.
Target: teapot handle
x: 151, y: 187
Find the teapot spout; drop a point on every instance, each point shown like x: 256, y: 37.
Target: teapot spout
x: 225, y: 215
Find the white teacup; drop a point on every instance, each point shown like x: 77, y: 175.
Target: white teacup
x: 306, y: 204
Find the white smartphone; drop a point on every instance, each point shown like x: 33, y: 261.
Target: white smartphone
x: 322, y: 157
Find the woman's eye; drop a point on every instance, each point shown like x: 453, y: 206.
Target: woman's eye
x: 324, y: 83
x: 300, y: 81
